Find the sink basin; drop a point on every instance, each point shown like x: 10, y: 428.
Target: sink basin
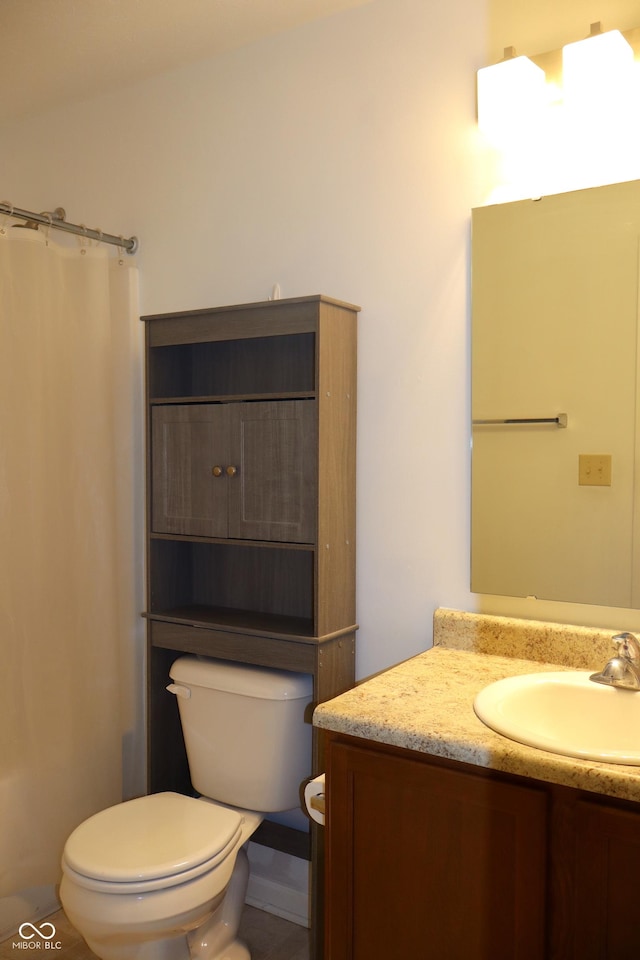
x: 565, y: 713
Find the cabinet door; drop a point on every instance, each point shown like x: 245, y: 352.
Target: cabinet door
x: 272, y: 496
x: 428, y: 862
x: 190, y: 444
x: 602, y: 914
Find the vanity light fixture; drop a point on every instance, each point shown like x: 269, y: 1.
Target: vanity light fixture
x: 572, y: 123
x: 510, y: 93
x: 596, y: 72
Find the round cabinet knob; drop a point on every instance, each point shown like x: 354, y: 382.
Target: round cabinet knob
x: 232, y: 471
x: 216, y: 471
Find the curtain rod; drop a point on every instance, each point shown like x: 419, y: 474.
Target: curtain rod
x: 57, y: 220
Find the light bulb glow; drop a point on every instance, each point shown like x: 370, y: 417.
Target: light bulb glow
x: 576, y: 127
x: 596, y: 72
x: 511, y: 94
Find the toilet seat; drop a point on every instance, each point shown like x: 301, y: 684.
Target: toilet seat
x: 150, y: 843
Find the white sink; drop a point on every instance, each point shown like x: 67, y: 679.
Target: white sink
x: 565, y: 713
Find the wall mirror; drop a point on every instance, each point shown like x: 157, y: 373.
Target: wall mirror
x: 556, y: 431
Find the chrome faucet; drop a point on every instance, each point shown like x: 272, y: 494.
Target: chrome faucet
x: 623, y: 670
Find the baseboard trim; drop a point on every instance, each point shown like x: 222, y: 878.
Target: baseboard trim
x: 26, y: 906
x: 279, y: 899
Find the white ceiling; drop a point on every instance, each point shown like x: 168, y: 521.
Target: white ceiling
x: 53, y: 51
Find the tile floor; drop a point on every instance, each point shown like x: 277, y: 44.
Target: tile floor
x: 267, y: 937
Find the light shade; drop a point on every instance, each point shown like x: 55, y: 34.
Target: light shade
x: 596, y: 72
x: 510, y: 95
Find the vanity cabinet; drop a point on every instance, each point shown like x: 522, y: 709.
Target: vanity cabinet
x: 430, y: 858
x: 251, y: 428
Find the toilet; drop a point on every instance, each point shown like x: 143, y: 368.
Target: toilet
x: 164, y: 877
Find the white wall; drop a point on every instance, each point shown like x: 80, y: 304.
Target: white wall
x: 332, y: 159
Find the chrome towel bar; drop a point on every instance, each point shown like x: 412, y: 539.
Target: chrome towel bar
x: 560, y: 421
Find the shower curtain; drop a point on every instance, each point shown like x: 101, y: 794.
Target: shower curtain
x: 70, y: 566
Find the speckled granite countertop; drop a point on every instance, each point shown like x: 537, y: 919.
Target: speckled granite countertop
x: 426, y: 703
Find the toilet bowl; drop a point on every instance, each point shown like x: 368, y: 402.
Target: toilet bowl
x: 164, y: 877
x: 146, y: 879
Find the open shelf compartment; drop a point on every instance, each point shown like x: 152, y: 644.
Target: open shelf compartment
x: 223, y: 368
x: 240, y: 587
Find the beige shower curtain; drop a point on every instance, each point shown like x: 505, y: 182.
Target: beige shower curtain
x: 70, y: 569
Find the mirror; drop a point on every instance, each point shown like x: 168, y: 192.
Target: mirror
x: 555, y: 507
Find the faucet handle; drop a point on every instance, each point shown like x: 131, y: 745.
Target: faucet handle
x: 627, y: 646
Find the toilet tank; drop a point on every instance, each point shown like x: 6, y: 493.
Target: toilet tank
x: 244, y: 728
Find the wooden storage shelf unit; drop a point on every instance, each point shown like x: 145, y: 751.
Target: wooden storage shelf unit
x: 251, y: 420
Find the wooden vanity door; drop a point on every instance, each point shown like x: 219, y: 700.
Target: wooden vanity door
x: 427, y: 862
x: 599, y: 912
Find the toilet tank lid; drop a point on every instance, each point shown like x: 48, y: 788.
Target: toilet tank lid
x: 246, y: 680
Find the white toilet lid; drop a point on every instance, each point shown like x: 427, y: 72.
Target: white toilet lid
x: 151, y: 837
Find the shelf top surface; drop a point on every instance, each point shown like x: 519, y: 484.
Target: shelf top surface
x: 234, y: 398
x: 260, y: 304
x: 294, y: 629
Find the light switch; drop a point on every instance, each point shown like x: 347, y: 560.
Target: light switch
x: 594, y: 469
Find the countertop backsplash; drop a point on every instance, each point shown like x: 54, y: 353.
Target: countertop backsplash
x: 581, y: 648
